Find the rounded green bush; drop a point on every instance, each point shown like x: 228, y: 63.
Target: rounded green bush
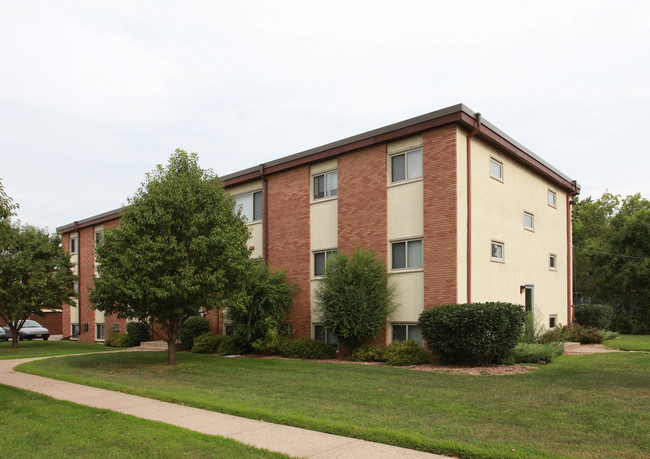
x: 228, y: 346
x: 138, y: 332
x: 305, y: 348
x: 595, y: 315
x: 192, y: 328
x: 118, y: 340
x: 401, y: 353
x: 473, y: 333
x: 208, y: 343
x: 369, y: 353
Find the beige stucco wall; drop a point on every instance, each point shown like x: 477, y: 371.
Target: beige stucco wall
x: 461, y: 216
x: 498, y: 214
x: 405, y: 215
x: 256, y: 229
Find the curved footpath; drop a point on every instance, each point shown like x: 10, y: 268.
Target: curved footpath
x: 284, y: 439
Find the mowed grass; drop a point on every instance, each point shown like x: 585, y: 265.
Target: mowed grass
x: 37, y: 426
x: 47, y: 348
x: 630, y: 342
x: 579, y: 406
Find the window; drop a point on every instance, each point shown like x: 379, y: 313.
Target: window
x: 229, y: 330
x: 552, y: 198
x: 285, y: 327
x: 496, y: 169
x: 74, y: 245
x: 116, y: 327
x: 497, y: 251
x: 406, y: 166
x: 325, y: 185
x: 403, y: 332
x: 552, y: 321
x: 529, y: 301
x: 76, y: 286
x: 323, y: 334
x: 99, y: 235
x: 250, y: 205
x: 528, y: 221
x: 552, y: 262
x: 101, y: 332
x: 75, y: 330
x: 407, y: 254
x: 320, y: 260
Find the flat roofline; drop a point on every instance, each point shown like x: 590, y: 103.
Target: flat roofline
x: 90, y: 221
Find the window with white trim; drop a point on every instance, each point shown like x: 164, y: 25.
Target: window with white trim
x: 320, y: 260
x: 552, y: 198
x: 496, y: 169
x: 406, y: 254
x: 552, y: 262
x: 325, y: 185
x: 529, y: 221
x: 321, y: 333
x: 406, y: 166
x: 497, y: 251
x: 403, y: 332
x: 250, y: 205
x: 74, y: 244
x: 101, y: 332
x: 552, y: 321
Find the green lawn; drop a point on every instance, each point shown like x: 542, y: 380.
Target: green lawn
x: 34, y: 425
x: 579, y: 406
x: 46, y: 348
x: 630, y: 342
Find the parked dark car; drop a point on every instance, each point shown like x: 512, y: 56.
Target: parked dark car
x: 3, y: 335
x: 30, y: 330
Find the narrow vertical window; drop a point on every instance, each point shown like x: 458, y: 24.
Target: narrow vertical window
x: 552, y: 198
x: 529, y: 221
x: 496, y: 169
x: 529, y: 300
x: 325, y: 185
x: 552, y: 262
x: 74, y: 244
x: 496, y: 251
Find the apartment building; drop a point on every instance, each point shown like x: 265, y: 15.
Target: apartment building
x: 458, y: 210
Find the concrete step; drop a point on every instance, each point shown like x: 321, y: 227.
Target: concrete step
x: 571, y: 345
x: 158, y: 346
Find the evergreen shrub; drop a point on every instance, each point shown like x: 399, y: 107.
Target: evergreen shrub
x: 369, y: 353
x: 573, y: 332
x: 207, y: 343
x: 401, y: 353
x: 535, y: 352
x: 118, y: 339
x: 138, y: 332
x: 192, y: 328
x: 595, y: 315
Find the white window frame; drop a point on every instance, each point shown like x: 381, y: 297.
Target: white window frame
x: 550, y: 193
x: 328, y: 253
x: 252, y: 195
x: 74, y: 244
x: 406, y: 267
x: 552, y: 265
x: 552, y: 317
x: 97, y: 338
x: 532, y: 221
x: 328, y: 335
x: 328, y: 191
x: 406, y: 178
x: 499, y: 163
x: 408, y: 325
x: 503, y: 251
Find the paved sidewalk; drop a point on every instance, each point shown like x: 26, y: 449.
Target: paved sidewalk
x: 289, y: 440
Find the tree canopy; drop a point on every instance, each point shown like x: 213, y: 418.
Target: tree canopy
x: 7, y: 206
x: 179, y: 248
x: 35, y: 274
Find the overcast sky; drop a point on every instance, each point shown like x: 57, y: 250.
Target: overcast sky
x: 94, y: 94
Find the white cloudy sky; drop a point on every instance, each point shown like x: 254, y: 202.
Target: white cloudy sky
x: 95, y: 94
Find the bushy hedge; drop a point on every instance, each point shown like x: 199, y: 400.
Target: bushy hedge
x: 118, y: 339
x: 192, y: 328
x: 275, y: 343
x: 369, y: 353
x: 473, y: 333
x: 138, y: 332
x: 534, y: 353
x: 401, y: 353
x: 573, y: 332
x: 208, y: 343
x: 595, y: 315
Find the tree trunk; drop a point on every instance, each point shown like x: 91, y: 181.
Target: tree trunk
x: 171, y: 343
x: 14, y: 338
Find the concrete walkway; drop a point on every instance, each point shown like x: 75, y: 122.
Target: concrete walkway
x: 289, y: 440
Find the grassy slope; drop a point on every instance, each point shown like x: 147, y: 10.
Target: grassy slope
x: 630, y: 342
x: 589, y: 406
x: 47, y: 348
x: 33, y: 425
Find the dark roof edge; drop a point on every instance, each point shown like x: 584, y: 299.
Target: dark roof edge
x: 90, y: 221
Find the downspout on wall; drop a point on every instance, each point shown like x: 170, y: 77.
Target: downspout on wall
x: 469, y: 206
x: 569, y: 249
x: 265, y: 216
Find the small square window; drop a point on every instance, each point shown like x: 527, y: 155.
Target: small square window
x: 529, y: 221
x: 74, y: 244
x: 552, y: 198
x: 320, y: 260
x: 116, y: 327
x: 496, y: 169
x: 552, y: 262
x: 326, y: 185
x: 250, y: 205
x: 323, y: 334
x: 407, y: 254
x: 552, y: 321
x: 406, y: 166
x: 497, y: 251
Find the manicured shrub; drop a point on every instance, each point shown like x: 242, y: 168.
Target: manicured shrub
x: 118, y: 339
x: 608, y: 334
x: 207, y: 343
x: 401, y: 353
x: 632, y: 320
x: 474, y: 333
x: 369, y: 353
x: 535, y: 352
x: 269, y: 344
x: 192, y: 328
x: 138, y: 332
x: 228, y: 346
x: 595, y: 315
x: 573, y: 332
x: 305, y: 348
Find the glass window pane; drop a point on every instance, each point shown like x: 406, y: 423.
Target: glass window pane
x: 528, y: 220
x: 245, y: 203
x: 399, y: 332
x: 414, y: 168
x: 495, y: 169
x: 397, y: 167
x: 319, y: 333
x: 331, y: 339
x: 319, y: 263
x: 414, y: 254
x: 257, y: 206
x: 416, y: 334
x: 399, y: 255
x: 551, y: 198
x: 319, y: 187
x: 497, y: 251
x: 332, y: 186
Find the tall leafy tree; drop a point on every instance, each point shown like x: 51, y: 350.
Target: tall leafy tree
x: 355, y: 298
x: 35, y: 274
x: 179, y: 247
x: 7, y: 206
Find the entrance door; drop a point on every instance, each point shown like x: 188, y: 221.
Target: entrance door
x: 530, y: 298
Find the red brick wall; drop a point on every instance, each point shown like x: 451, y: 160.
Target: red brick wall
x: 52, y: 321
x: 65, y: 315
x: 86, y: 271
x: 289, y: 247
x: 440, y: 213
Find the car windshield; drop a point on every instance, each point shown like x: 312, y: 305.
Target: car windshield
x: 31, y: 324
